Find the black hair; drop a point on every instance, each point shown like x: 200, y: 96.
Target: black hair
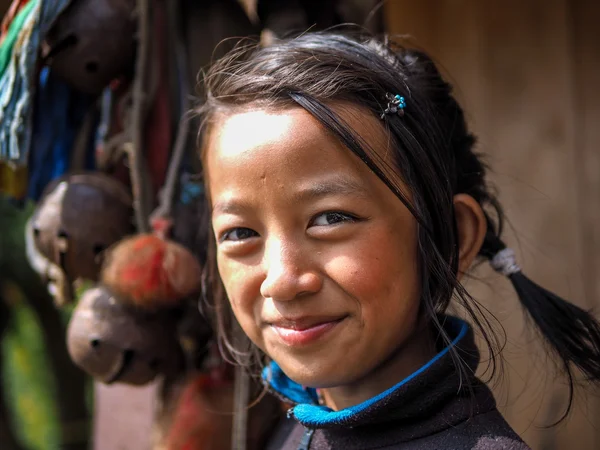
x: 434, y: 156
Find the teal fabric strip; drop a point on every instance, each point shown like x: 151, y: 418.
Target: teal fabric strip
x: 14, y: 29
x: 19, y: 80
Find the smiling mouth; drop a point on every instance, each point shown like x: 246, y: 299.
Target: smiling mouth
x: 304, y: 332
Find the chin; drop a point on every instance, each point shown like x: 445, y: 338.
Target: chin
x: 315, y: 375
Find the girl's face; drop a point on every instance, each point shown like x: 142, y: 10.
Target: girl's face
x: 318, y: 257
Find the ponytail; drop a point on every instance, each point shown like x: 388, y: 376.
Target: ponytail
x: 572, y: 333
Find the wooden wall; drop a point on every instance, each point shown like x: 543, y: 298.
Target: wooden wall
x: 527, y: 73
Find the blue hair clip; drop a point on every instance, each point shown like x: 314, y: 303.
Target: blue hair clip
x: 396, y: 105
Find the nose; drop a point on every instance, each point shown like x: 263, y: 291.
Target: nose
x: 288, y: 272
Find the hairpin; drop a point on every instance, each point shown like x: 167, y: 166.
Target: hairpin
x: 396, y: 105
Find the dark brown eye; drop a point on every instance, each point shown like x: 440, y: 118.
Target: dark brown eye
x: 238, y: 234
x: 332, y: 218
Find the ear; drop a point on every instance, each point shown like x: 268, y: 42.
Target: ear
x: 471, y: 226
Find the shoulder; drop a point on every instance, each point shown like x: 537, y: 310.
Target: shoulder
x: 500, y: 443
x: 486, y: 431
x: 495, y: 433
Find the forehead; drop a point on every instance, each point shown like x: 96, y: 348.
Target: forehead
x: 269, y: 133
x: 239, y: 133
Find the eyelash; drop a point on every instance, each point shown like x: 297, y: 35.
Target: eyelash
x: 226, y: 234
x: 346, y: 218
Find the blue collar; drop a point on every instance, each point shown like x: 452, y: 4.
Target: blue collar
x: 313, y: 415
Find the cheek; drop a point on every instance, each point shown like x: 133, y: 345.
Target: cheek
x: 381, y: 272
x: 243, y: 290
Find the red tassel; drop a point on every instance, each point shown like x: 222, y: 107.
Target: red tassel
x: 151, y: 272
x: 202, y: 416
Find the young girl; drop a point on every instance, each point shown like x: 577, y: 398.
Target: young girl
x: 347, y: 204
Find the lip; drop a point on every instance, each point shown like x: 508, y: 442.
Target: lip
x: 304, y: 331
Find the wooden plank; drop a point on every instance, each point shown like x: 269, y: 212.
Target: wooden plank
x: 585, y: 50
x: 427, y: 24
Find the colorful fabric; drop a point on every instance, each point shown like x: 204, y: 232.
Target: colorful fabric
x: 57, y: 117
x: 12, y: 34
x: 14, y: 9
x: 19, y: 77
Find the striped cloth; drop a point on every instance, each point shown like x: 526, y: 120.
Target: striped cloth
x: 19, y: 52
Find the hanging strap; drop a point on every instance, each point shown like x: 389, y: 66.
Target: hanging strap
x: 241, y: 399
x: 138, y: 170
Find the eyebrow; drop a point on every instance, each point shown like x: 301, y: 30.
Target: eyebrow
x: 338, y: 185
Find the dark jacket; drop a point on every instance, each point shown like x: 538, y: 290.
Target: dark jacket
x: 431, y: 409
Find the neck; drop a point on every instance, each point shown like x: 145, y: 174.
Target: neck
x: 408, y: 358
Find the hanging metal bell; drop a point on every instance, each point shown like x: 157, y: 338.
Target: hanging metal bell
x: 79, y: 217
x: 92, y: 42
x: 114, y: 343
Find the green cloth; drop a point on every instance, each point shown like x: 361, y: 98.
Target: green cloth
x: 15, y: 27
